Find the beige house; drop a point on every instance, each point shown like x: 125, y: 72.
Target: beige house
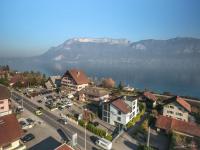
x: 53, y: 82
x: 4, y: 101
x: 10, y: 133
x: 177, y: 108
x: 75, y: 79
x: 93, y: 94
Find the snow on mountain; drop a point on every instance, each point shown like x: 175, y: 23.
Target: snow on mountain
x: 58, y: 58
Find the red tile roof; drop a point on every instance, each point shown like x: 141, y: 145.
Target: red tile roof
x: 168, y: 124
x: 183, y: 103
x: 64, y: 147
x: 150, y: 96
x: 180, y: 101
x: 79, y: 76
x: 121, y: 105
x: 16, y: 78
x: 10, y: 130
x: 4, y: 93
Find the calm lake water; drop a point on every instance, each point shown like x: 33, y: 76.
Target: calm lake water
x: 176, y: 81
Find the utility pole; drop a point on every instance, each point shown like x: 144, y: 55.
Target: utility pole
x: 148, y: 138
x: 85, y: 136
x: 22, y: 103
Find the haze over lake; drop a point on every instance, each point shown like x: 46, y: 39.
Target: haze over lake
x: 160, y: 65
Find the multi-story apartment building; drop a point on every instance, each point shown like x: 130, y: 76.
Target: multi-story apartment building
x: 75, y: 79
x: 177, y: 108
x: 120, y: 111
x: 4, y: 101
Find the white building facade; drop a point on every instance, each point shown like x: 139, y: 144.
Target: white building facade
x: 120, y: 111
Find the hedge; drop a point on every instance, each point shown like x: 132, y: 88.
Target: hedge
x: 135, y: 119
x: 109, y: 137
x: 95, y: 130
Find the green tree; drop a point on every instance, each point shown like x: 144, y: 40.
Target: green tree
x: 120, y: 86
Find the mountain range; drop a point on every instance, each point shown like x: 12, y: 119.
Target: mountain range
x: 115, y: 50
x: 161, y: 65
x: 178, y: 53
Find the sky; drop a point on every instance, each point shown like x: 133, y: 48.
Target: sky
x: 31, y: 27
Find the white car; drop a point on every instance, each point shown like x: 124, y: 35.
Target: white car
x: 103, y: 143
x: 69, y: 103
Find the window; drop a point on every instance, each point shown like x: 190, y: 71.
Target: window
x: 1, y: 107
x: 170, y: 112
x: 1, y: 102
x: 119, y: 118
x: 170, y: 106
x: 179, y: 114
x: 119, y: 112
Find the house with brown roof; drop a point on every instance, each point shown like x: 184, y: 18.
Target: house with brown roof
x: 10, y: 133
x: 169, y: 124
x: 177, y: 108
x: 93, y: 94
x: 75, y: 79
x: 17, y: 78
x: 120, y: 111
x: 4, y: 101
x: 150, y: 99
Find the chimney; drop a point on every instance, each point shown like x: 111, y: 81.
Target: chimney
x: 78, y: 73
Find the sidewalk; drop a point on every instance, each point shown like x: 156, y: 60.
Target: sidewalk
x: 125, y: 142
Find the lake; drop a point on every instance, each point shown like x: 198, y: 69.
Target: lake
x: 178, y: 81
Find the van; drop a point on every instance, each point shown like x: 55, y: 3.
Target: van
x: 103, y: 143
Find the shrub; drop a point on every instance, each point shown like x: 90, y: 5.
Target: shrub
x: 135, y: 119
x: 144, y: 147
x: 109, y: 137
x: 93, y: 129
x: 82, y: 123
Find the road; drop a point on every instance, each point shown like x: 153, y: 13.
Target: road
x: 51, y: 119
x: 187, y: 99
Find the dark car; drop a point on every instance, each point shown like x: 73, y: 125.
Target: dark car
x: 60, y: 108
x: 39, y: 101
x: 40, y: 108
x: 30, y: 121
x: 28, y: 138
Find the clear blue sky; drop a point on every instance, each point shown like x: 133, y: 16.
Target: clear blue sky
x: 30, y: 27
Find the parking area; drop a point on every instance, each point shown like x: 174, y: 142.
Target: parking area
x: 63, y: 106
x: 41, y: 131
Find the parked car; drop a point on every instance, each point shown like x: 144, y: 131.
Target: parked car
x: 103, y: 143
x: 28, y: 138
x: 30, y: 121
x: 38, y: 112
x: 63, y: 121
x: 23, y: 124
x: 60, y: 108
x: 40, y: 108
x: 39, y: 101
x: 19, y: 109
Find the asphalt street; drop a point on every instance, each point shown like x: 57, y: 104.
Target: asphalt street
x: 52, y: 120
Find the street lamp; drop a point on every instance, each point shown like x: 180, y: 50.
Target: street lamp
x: 85, y: 136
x: 148, y: 139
